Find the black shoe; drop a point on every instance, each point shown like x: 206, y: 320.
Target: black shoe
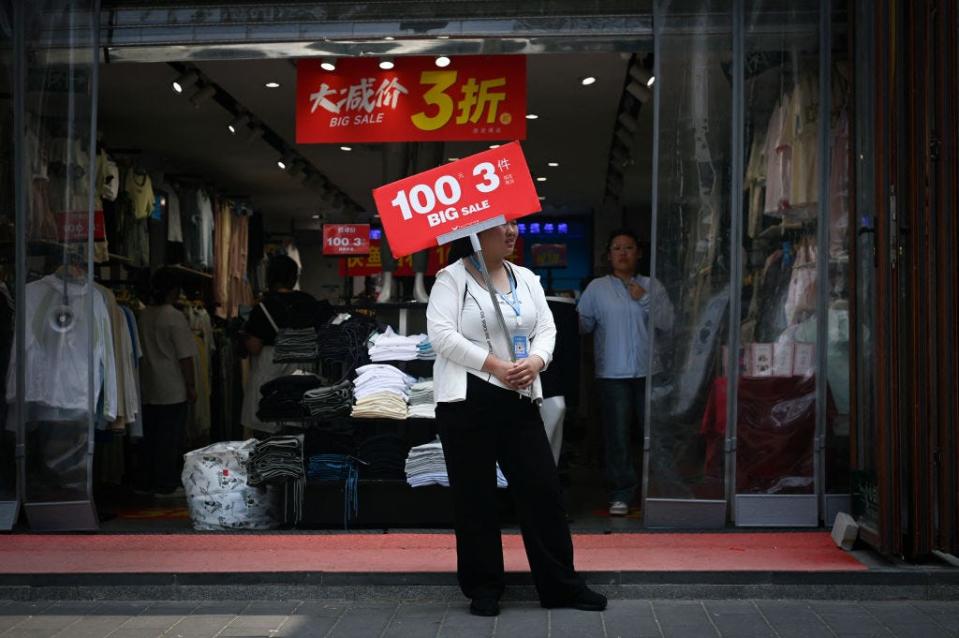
x: 484, y: 607
x: 586, y: 600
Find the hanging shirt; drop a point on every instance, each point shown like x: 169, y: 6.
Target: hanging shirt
x: 166, y: 338
x: 139, y: 187
x: 621, y: 325
x: 205, y: 222
x: 57, y: 355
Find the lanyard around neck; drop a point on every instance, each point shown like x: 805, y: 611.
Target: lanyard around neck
x: 513, y: 300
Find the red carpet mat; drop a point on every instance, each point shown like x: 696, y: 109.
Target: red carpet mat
x: 232, y: 553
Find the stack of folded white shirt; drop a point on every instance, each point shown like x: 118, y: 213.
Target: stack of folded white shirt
x: 422, y: 405
x: 426, y: 465
x: 425, y: 350
x: 381, y: 391
x: 390, y: 346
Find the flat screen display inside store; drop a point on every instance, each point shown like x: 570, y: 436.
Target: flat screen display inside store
x: 417, y: 210
x: 480, y: 97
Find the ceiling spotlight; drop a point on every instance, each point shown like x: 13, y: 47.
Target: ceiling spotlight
x: 328, y: 64
x: 346, y: 148
x: 238, y: 123
x: 185, y: 81
x: 453, y: 159
x: 202, y: 94
x: 540, y: 179
x: 494, y: 145
x: 586, y: 81
x: 642, y: 76
x: 386, y: 64
x: 281, y: 164
x: 442, y: 61
x: 316, y: 216
x: 532, y: 116
x: 272, y: 85
x: 542, y: 197
x: 552, y: 164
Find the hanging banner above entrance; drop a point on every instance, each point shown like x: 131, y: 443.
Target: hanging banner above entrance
x: 476, y: 97
x: 417, y: 210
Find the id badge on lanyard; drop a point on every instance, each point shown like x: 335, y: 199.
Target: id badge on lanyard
x: 520, y: 346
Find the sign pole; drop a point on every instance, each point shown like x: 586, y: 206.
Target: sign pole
x: 478, y: 251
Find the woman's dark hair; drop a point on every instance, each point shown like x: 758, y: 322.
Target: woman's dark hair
x: 281, y: 272
x: 164, y: 282
x: 460, y: 248
x: 621, y: 232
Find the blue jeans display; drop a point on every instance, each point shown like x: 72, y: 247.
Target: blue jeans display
x: 622, y: 403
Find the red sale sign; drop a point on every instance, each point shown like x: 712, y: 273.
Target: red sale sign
x: 478, y: 97
x: 346, y: 239
x: 417, y: 210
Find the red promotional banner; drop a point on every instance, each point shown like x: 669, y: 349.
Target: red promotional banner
x: 419, y: 209
x: 478, y: 97
x: 346, y: 239
x: 366, y: 265
x: 74, y: 227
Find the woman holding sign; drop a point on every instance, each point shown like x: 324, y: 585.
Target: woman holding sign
x: 487, y: 413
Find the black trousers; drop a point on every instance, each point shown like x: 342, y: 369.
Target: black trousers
x: 158, y: 458
x: 492, y: 425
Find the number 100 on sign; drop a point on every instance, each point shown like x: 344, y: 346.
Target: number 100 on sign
x: 446, y: 191
x: 418, y: 209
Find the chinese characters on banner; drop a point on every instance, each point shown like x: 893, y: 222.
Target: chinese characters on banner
x: 419, y: 209
x: 475, y: 98
x: 372, y: 264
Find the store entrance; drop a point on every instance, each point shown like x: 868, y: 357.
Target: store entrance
x: 227, y: 135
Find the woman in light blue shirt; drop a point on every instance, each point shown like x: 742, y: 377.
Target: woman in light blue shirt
x: 621, y: 310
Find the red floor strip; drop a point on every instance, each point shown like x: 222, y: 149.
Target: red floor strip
x: 44, y: 554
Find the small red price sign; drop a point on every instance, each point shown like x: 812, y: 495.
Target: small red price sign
x: 346, y: 239
x: 417, y: 210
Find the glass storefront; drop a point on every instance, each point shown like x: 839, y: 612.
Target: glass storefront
x: 58, y: 384
x: 748, y: 407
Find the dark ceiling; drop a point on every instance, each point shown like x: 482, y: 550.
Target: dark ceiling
x: 140, y: 113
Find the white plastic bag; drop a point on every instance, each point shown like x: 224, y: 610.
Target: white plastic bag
x: 553, y: 412
x: 214, y: 478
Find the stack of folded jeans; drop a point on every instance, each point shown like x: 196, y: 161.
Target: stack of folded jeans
x: 295, y: 344
x: 338, y: 467
x: 384, y: 456
x: 277, y: 460
x: 426, y: 465
x: 328, y: 402
x: 344, y: 344
x: 422, y: 405
x: 282, y: 397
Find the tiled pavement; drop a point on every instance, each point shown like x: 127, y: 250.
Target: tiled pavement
x: 354, y: 619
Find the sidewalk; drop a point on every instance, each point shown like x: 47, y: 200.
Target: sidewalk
x: 344, y: 619
x: 421, y: 566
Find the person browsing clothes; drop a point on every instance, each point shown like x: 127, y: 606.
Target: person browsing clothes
x: 621, y: 310
x: 487, y: 412
x: 282, y: 307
